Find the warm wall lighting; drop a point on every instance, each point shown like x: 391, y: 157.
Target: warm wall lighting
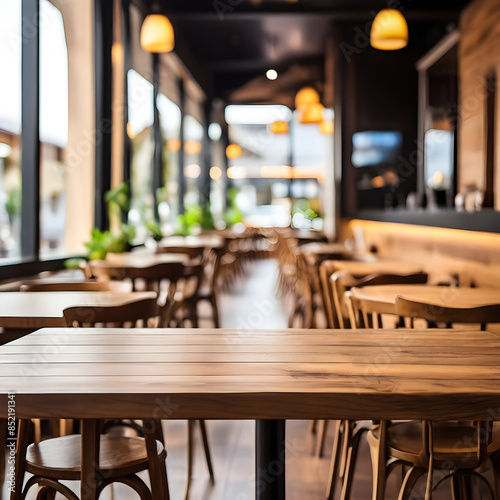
x: 157, y: 34
x: 271, y: 74
x: 233, y: 151
x: 389, y: 30
x: 192, y: 147
x: 215, y: 173
x: 173, y: 145
x: 279, y: 127
x: 326, y: 127
x: 313, y: 113
x: 305, y: 97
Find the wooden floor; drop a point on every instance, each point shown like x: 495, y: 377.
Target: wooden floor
x: 253, y: 304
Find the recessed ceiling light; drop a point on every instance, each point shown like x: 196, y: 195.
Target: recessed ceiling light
x: 271, y: 74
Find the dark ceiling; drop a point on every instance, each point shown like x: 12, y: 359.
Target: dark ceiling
x: 229, y: 44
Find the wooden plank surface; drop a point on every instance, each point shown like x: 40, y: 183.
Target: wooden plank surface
x: 226, y: 374
x: 361, y: 268
x: 193, y: 242
x: 45, y: 309
x: 143, y: 258
x: 440, y: 296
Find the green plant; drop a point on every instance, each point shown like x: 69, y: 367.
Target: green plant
x: 195, y: 217
x: 302, y: 207
x: 73, y: 263
x: 232, y: 214
x: 119, y: 198
x: 103, y: 242
x: 14, y: 201
x: 155, y: 230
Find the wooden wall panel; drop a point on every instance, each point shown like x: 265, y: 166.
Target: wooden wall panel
x: 479, y: 55
x: 473, y: 256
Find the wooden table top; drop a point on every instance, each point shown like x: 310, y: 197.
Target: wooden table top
x: 138, y: 259
x: 320, y: 247
x: 441, y: 296
x: 45, y: 309
x: 192, y: 242
x: 362, y: 268
x: 222, y: 374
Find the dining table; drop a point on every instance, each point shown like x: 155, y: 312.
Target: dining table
x: 33, y: 310
x: 266, y: 375
x: 360, y: 269
x: 191, y: 242
x: 439, y: 296
x: 317, y: 252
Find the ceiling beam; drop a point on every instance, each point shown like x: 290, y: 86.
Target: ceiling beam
x: 258, y: 64
x: 349, y: 15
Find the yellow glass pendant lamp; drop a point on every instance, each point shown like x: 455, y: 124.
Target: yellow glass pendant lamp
x: 279, y: 127
x: 157, y: 34
x: 313, y: 113
x: 389, y: 30
x: 305, y: 97
x: 233, y: 151
x: 326, y: 127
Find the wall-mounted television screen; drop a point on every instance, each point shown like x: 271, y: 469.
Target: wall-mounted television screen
x: 374, y: 148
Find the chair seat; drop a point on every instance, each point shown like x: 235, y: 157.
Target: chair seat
x: 60, y: 458
x: 453, y: 443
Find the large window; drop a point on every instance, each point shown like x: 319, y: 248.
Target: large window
x: 66, y: 124
x: 140, y: 131
x: 10, y: 129
x: 193, y: 136
x: 170, y: 123
x: 280, y: 166
x: 53, y: 129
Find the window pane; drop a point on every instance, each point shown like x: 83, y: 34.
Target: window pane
x: 140, y: 131
x: 170, y: 122
x: 67, y: 126
x: 193, y: 136
x: 10, y: 129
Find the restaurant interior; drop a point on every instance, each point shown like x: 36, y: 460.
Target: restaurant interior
x: 249, y: 249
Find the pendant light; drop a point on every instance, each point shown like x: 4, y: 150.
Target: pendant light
x: 389, y: 30
x: 305, y: 97
x: 233, y: 151
x: 157, y: 33
x: 279, y: 127
x: 311, y: 114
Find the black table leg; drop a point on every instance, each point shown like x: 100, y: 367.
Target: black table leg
x: 270, y: 460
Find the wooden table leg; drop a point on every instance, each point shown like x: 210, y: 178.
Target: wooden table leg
x: 270, y: 460
x: 90, y: 459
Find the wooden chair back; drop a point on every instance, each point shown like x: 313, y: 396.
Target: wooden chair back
x: 148, y: 278
x: 342, y: 281
x: 327, y: 269
x: 84, y: 286
x: 482, y: 315
x: 191, y: 252
x: 143, y: 312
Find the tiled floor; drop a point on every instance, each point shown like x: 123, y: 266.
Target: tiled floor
x: 253, y: 304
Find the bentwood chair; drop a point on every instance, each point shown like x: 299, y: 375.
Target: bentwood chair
x: 454, y: 450
x: 84, y: 286
x: 340, y: 281
x: 120, y: 457
x: 142, y: 313
x: 343, y: 281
